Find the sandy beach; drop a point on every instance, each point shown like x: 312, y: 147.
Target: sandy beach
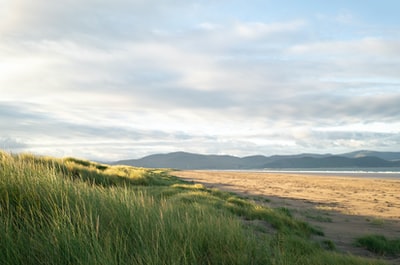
x: 343, y: 207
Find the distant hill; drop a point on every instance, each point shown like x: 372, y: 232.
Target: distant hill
x: 390, y: 156
x: 331, y: 162
x: 183, y: 160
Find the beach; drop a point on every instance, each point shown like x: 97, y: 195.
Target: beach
x: 343, y: 207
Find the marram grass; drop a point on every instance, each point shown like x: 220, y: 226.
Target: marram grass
x: 379, y: 244
x: 71, y: 211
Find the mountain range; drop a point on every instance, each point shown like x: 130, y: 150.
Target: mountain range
x: 183, y: 160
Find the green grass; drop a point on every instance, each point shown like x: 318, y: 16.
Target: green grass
x: 380, y: 244
x: 328, y: 244
x: 73, y: 211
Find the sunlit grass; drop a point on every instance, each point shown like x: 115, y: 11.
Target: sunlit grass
x: 73, y: 211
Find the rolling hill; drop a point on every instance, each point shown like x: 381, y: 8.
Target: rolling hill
x: 183, y: 160
x: 390, y: 156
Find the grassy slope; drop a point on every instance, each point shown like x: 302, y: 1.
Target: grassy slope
x: 70, y: 211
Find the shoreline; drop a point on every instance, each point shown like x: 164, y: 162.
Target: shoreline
x: 391, y: 175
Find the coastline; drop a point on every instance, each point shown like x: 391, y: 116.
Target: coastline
x: 357, y: 173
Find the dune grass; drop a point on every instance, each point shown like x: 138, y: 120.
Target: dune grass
x: 72, y: 211
x: 379, y: 244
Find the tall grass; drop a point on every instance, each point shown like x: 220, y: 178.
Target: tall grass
x: 379, y: 244
x: 71, y: 211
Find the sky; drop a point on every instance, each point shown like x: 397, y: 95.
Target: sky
x: 119, y: 79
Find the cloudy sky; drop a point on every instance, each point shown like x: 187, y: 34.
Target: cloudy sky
x: 118, y: 79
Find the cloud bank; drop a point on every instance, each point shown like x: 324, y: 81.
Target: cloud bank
x: 121, y: 79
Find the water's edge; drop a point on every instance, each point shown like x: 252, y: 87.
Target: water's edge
x: 384, y: 173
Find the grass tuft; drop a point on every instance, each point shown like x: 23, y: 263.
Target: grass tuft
x: 328, y: 244
x: 379, y: 244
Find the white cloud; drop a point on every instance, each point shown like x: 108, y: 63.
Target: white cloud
x: 11, y: 144
x: 360, y: 48
x: 140, y: 76
x: 91, y: 19
x: 209, y: 26
x: 256, y: 30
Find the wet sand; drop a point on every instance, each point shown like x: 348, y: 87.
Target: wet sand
x: 343, y: 207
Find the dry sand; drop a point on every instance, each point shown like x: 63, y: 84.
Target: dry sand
x: 343, y: 207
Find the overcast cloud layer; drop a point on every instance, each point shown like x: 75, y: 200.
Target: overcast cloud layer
x: 121, y: 79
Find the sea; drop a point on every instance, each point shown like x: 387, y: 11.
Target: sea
x: 384, y: 173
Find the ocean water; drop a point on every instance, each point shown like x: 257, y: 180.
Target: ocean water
x: 387, y: 173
